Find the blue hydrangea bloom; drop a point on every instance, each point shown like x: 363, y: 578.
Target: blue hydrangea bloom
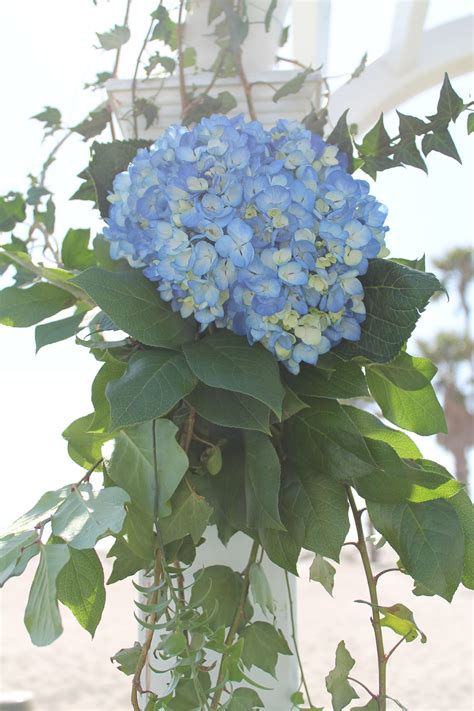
x: 263, y: 232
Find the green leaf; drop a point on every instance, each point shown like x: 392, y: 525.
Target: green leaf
x: 227, y: 361
x: 217, y: 590
x: 377, y: 141
x: 464, y: 508
x: 399, y: 618
x: 50, y: 116
x: 269, y: 14
x: 293, y: 86
x: 127, y: 659
x: 75, y: 252
x: 450, y: 105
x: 470, y: 123
x: 284, y: 547
x: 337, y: 684
x: 12, y: 547
x: 94, y: 124
x: 25, y: 307
x: 322, y: 572
x: 127, y: 563
x: 154, y: 383
x: 345, y: 381
x: 223, y: 407
x: 244, y: 699
x: 135, y: 307
x: 35, y: 193
x: 138, y: 528
x: 56, y: 331
x: 262, y: 481
x: 262, y: 645
x: 291, y: 404
x: 114, y: 38
x: 208, y: 105
x: 86, y: 516
x: 419, y: 263
x: 190, y: 514
x: 148, y: 109
x: 261, y: 592
x: 341, y: 137
x: 372, y: 705
x: 407, y: 372
x: 319, y: 502
x: 84, y: 447
x: 42, y: 619
x: 415, y: 410
x: 429, y: 540
x: 12, y: 210
x: 395, y: 296
x: 372, y: 427
x: 80, y: 586
x: 324, y: 439
x: 441, y: 142
x: 44, y: 507
x: 110, y: 371
x: 131, y: 464
x: 407, y: 153
x: 189, y: 57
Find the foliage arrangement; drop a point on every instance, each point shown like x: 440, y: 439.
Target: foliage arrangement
x: 229, y: 391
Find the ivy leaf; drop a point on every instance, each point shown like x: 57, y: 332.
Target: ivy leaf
x: 25, y: 307
x: 410, y: 126
x: 12, y: 211
x: 415, y: 410
x: 127, y: 563
x: 395, y: 296
x: 131, y: 464
x: 262, y: 645
x: 127, y: 659
x: 114, y: 38
x: 284, y: 547
x: 341, y: 137
x: 80, y: 586
x: 93, y: 125
x: 372, y: 427
x: 227, y: 361
x: 208, y: 105
x: 345, y: 381
x: 12, y: 547
x: 42, y: 619
x: 84, y: 447
x: 429, y: 540
x: 217, y: 590
x: 441, y: 142
x: 86, y: 516
x: 450, y: 105
x: 133, y: 304
x: 75, y: 252
x: 322, y: 572
x: 244, y: 699
x: 190, y: 514
x: 229, y: 409
x: 408, y: 154
x: 261, y: 592
x: 324, y: 439
x: 50, y: 116
x: 377, y: 141
x: 154, y: 383
x: 337, y: 684
x: 293, y: 86
x: 262, y: 481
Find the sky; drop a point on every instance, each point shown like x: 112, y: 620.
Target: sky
x: 47, y: 54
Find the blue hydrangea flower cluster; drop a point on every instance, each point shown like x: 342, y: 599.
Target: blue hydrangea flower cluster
x: 263, y: 232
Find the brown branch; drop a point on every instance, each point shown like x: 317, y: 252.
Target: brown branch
x: 134, y: 79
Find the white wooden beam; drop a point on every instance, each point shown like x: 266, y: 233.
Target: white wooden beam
x: 407, y: 32
x: 310, y: 29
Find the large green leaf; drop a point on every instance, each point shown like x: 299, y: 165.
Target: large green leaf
x: 345, y: 381
x: 86, y: 515
x: 12, y: 547
x: 284, y: 547
x: 42, y: 619
x: 244, y: 699
x: 262, y: 645
x: 126, y: 562
x: 132, y: 464
x: 372, y: 427
x: 337, y: 682
x: 110, y: 371
x: 406, y: 371
x: 223, y: 407
x: 226, y: 361
x: 395, y: 295
x: 319, y: 502
x: 80, y: 586
x: 42, y: 510
x: 415, y: 410
x: 324, y: 439
x: 134, y: 305
x: 75, y: 252
x: 190, y: 514
x: 217, y: 590
x: 322, y: 572
x: 25, y: 307
x: 464, y: 508
x: 55, y: 331
x: 154, y: 383
x: 262, y: 481
x: 429, y: 540
x: 84, y: 447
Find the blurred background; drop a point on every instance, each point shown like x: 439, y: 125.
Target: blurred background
x: 47, y: 54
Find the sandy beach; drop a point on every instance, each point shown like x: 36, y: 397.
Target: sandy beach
x: 75, y: 673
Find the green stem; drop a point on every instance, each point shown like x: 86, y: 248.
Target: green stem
x: 372, y: 585
x: 239, y: 613
x: 293, y: 636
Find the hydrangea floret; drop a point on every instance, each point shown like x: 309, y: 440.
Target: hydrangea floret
x: 263, y: 232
